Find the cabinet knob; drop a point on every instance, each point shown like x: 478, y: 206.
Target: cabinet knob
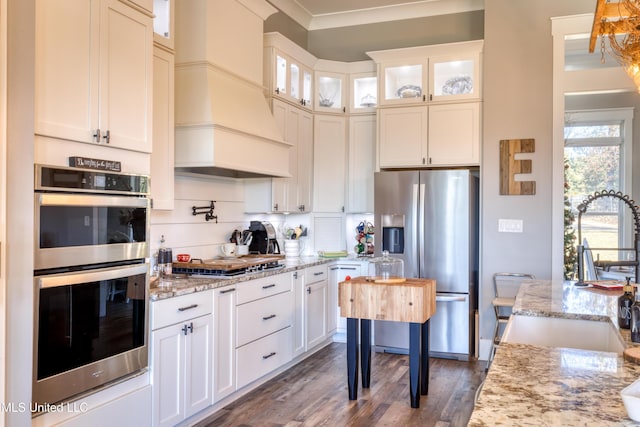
x: 278, y: 90
x: 107, y: 137
x: 309, y: 291
x: 275, y: 207
x: 96, y: 135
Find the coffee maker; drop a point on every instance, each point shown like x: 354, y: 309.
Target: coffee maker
x: 264, y: 238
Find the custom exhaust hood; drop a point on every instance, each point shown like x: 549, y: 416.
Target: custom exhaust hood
x: 224, y: 126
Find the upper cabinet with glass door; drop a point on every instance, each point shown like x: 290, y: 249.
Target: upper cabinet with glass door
x: 363, y: 86
x: 331, y: 86
x: 288, y: 71
x: 163, y: 22
x: 435, y: 73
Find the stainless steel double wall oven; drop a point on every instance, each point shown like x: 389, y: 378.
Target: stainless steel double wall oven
x: 91, y: 277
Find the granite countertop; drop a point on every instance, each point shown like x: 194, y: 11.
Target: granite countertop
x: 181, y: 284
x: 530, y: 385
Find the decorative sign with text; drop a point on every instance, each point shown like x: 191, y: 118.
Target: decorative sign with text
x: 98, y: 164
x: 510, y: 167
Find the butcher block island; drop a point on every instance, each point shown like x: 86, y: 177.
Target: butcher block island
x: 395, y: 299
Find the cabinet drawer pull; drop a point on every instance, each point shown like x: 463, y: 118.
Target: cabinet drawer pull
x: 273, y: 285
x: 107, y: 137
x: 266, y: 356
x: 348, y: 268
x: 226, y: 291
x: 189, y: 307
x: 318, y: 274
x: 271, y: 316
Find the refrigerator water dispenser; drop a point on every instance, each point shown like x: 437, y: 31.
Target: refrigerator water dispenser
x: 393, y: 233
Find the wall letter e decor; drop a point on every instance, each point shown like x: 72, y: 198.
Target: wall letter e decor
x: 509, y: 167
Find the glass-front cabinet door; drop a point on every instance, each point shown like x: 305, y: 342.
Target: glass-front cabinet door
x: 454, y: 77
x: 403, y: 83
x: 281, y: 73
x: 330, y: 92
x: 293, y: 81
x: 163, y: 22
x: 364, y: 93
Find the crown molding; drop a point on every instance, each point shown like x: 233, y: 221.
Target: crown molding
x: 373, y: 15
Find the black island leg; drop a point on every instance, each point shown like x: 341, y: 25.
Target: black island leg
x: 352, y: 357
x: 365, y: 351
x: 415, y: 335
x: 424, y: 360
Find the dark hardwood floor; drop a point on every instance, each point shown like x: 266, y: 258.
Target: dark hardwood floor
x: 314, y: 393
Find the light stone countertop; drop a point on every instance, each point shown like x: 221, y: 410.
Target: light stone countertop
x: 542, y: 386
x: 181, y: 284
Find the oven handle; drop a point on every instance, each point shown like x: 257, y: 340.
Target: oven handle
x: 65, y: 279
x: 57, y: 199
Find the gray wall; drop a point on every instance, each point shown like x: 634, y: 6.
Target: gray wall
x: 518, y: 95
x: 349, y: 44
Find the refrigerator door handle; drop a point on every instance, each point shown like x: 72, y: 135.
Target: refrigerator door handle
x: 421, y: 228
x: 448, y: 298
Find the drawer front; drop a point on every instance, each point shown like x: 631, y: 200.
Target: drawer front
x: 316, y: 274
x: 179, y: 309
x: 263, y: 287
x: 263, y: 317
x: 263, y: 356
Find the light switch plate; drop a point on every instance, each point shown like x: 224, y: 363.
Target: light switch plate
x: 510, y: 225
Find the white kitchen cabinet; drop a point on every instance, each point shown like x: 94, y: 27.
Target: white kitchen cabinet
x: 454, y: 134
x: 96, y: 58
x: 437, y: 135
x: 164, y: 23
x: 403, y: 136
x: 338, y: 273
x: 162, y: 157
x: 287, y: 194
x: 299, y: 326
x: 292, y: 80
x: 181, y: 357
x: 331, y: 92
x: 434, y: 73
x: 317, y: 296
x: 362, y: 163
x: 288, y: 71
x: 329, y: 163
x: 364, y: 93
x: 224, y: 333
x: 264, y: 317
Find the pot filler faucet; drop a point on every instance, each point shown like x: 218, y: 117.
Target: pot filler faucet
x: 582, y: 208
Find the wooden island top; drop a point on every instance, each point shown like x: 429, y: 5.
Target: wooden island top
x: 406, y: 300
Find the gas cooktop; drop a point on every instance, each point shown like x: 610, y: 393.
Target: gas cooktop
x: 228, y: 267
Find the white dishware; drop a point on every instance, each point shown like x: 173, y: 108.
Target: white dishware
x: 228, y: 249
x: 631, y: 399
x: 242, y: 250
x: 292, y: 248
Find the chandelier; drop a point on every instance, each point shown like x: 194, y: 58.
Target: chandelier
x: 619, y: 22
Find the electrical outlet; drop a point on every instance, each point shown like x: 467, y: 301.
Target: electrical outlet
x: 510, y: 225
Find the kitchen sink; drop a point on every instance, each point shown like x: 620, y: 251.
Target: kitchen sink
x: 562, y: 332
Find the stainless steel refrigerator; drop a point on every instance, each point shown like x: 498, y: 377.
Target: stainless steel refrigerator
x: 429, y: 219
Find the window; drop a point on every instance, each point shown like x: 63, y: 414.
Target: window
x: 597, y: 151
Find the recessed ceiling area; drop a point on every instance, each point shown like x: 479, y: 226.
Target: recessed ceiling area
x: 324, y: 14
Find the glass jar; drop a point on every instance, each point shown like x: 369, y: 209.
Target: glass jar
x: 386, y: 267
